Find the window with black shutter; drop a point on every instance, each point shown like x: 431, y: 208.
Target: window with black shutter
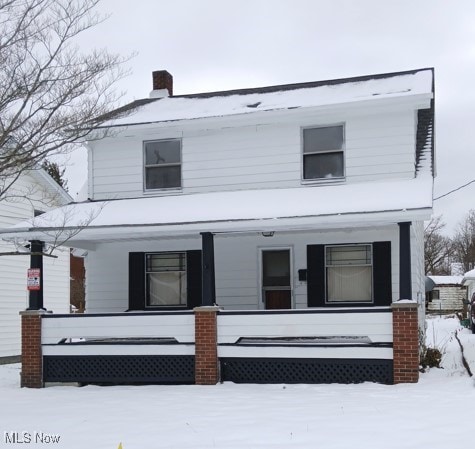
x: 358, y: 274
x: 164, y: 280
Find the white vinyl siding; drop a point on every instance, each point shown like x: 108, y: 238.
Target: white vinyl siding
x: 418, y: 270
x: 269, y: 155
x: 13, y: 293
x: 379, y: 148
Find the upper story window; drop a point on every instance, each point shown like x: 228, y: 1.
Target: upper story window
x: 323, y: 156
x: 162, y: 164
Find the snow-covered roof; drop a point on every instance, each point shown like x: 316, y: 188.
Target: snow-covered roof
x: 447, y: 280
x: 51, y: 185
x: 469, y: 276
x: 322, y: 207
x: 292, y: 96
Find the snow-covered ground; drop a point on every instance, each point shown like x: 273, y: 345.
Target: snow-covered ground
x: 436, y: 413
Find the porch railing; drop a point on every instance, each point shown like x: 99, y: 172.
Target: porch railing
x: 315, y: 345
x: 119, y: 348
x: 120, y: 332
x: 308, y: 345
x: 308, y: 333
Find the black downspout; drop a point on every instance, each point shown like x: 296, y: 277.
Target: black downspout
x: 405, y: 281
x: 209, y: 290
x: 36, y: 261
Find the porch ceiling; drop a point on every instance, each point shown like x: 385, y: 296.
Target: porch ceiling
x: 320, y: 207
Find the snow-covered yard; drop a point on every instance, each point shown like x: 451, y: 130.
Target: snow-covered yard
x: 438, y: 412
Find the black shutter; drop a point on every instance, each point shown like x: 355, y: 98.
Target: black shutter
x: 193, y: 278
x: 382, y: 283
x: 315, y: 275
x: 136, y: 281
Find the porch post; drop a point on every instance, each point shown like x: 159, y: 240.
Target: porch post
x: 405, y: 342
x: 206, y: 341
x: 36, y: 261
x: 405, y: 283
x: 209, y: 290
x: 31, y: 354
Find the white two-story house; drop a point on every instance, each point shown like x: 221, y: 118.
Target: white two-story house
x: 292, y: 197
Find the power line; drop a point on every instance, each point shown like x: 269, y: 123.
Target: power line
x: 455, y: 190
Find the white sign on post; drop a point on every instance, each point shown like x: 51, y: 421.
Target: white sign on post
x: 33, y: 279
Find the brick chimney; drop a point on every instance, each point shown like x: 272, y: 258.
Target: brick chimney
x: 163, y: 80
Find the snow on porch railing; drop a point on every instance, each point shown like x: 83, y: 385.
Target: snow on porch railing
x: 311, y: 333
x: 122, y: 333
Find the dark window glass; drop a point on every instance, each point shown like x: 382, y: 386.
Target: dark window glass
x: 162, y: 152
x: 163, y: 177
x: 323, y: 139
x: 324, y: 165
x: 276, y: 268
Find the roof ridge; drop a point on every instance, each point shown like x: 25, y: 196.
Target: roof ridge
x: 307, y: 84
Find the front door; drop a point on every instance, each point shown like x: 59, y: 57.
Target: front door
x: 276, y: 283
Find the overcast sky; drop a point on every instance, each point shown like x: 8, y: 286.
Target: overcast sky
x: 212, y: 45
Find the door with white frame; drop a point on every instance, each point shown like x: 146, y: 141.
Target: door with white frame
x: 276, y: 279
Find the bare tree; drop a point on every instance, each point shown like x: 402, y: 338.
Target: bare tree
x: 464, y: 242
x: 51, y: 93
x: 60, y: 226
x: 437, y: 248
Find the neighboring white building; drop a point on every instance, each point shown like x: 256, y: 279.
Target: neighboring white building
x: 447, y: 296
x: 468, y: 281
x: 310, y: 195
x: 37, y: 192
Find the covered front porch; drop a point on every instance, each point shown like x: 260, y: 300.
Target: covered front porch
x: 305, y: 297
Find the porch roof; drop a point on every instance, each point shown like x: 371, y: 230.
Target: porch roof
x: 313, y: 207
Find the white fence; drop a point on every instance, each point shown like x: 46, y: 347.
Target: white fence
x: 364, y: 333
x: 312, y: 333
x: 160, y: 333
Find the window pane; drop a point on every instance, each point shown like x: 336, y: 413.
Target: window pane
x: 346, y: 284
x: 276, y: 268
x: 166, y: 289
x: 166, y: 262
x: 163, y: 177
x: 349, y: 255
x: 162, y: 152
x: 321, y: 166
x: 322, y: 139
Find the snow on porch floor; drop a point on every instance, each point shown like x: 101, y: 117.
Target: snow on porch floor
x: 438, y: 412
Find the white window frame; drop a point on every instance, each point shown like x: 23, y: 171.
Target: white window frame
x: 303, y: 154
x: 371, y: 264
x: 147, y: 272
x: 173, y: 164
